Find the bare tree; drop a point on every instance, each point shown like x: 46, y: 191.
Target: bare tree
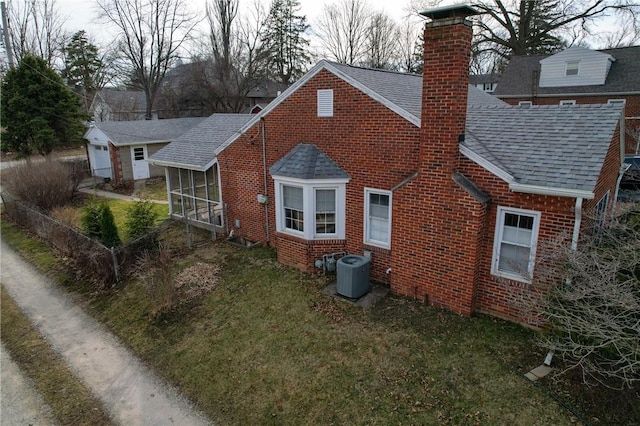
x: 36, y: 27
x: 589, y: 297
x: 342, y: 29
x: 150, y: 34
x: 382, y: 42
x: 522, y: 27
x: 410, y: 48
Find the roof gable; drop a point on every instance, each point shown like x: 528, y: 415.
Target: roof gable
x: 307, y: 162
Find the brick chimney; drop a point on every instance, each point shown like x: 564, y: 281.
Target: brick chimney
x: 440, y: 222
x: 445, y: 84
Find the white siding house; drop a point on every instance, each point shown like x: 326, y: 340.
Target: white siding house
x: 575, y: 66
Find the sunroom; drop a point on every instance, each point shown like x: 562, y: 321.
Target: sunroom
x: 195, y: 196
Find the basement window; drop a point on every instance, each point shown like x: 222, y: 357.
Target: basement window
x: 325, y: 103
x: 567, y: 102
x: 514, y: 243
x: 525, y: 103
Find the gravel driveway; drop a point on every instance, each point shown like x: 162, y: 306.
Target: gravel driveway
x: 131, y: 393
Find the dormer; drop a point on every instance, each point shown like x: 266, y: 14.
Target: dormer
x: 575, y: 66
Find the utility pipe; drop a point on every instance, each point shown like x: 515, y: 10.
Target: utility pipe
x: 576, y: 224
x: 266, y: 185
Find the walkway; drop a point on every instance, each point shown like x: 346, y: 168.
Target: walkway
x: 88, y: 187
x: 130, y: 392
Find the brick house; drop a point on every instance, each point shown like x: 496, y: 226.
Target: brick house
x: 447, y: 187
x: 578, y: 76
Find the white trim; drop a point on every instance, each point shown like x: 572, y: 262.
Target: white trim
x: 309, y: 188
x: 366, y: 240
x: 525, y: 103
x: 567, y: 102
x: 486, y: 164
x: 547, y: 190
x: 577, y: 95
x: 324, y: 98
x: 617, y: 101
x: 497, y: 240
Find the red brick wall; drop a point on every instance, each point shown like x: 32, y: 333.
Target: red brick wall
x: 437, y: 225
x: 116, y: 165
x: 631, y: 110
x: 378, y: 149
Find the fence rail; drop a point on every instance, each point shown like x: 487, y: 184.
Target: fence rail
x: 104, y: 264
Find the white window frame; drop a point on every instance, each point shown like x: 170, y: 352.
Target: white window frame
x: 617, y: 101
x: 497, y: 240
x: 366, y: 239
x: 325, y: 102
x: 567, y: 102
x: 566, y: 68
x: 309, y: 188
x: 525, y: 103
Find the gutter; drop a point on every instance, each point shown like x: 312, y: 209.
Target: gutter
x: 577, y: 95
x: 546, y: 190
x: 623, y: 166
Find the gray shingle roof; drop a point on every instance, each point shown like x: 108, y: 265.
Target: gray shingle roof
x: 124, y: 100
x: 404, y: 90
x: 523, y: 73
x: 196, y: 148
x: 306, y: 161
x: 131, y: 132
x: 553, y: 146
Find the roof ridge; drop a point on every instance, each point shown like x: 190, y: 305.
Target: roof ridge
x: 373, y: 69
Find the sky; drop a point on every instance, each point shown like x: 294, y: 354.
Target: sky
x: 82, y: 14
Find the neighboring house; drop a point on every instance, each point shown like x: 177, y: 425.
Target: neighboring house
x: 263, y: 93
x: 578, y: 76
x: 119, y: 150
x: 485, y: 82
x: 449, y: 189
x: 119, y: 105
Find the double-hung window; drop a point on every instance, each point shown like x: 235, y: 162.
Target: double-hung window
x: 311, y: 209
x: 377, y: 220
x: 514, y: 244
x: 293, y: 207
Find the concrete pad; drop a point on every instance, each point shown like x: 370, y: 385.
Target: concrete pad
x: 538, y: 373
x: 376, y: 292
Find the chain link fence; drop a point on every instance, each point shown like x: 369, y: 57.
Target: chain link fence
x: 105, y: 265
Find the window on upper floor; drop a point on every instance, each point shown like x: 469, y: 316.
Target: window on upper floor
x: 567, y: 102
x: 514, y: 246
x: 572, y: 68
x: 377, y: 217
x: 325, y: 103
x: 617, y: 101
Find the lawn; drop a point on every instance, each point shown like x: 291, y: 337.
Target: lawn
x: 266, y: 347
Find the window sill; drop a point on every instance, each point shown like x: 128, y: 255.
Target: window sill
x: 512, y: 277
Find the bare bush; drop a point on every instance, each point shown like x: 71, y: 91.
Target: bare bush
x: 197, y: 280
x: 155, y: 269
x: 593, y: 306
x: 69, y: 216
x: 43, y: 184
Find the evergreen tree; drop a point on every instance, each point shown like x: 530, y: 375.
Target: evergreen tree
x: 82, y: 66
x: 284, y: 43
x: 39, y: 113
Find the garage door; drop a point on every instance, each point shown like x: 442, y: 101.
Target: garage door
x: 101, y: 163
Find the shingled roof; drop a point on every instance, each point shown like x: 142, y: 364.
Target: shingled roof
x: 196, y: 149
x: 306, y: 161
x: 146, y: 131
x: 549, y: 146
x: 523, y: 73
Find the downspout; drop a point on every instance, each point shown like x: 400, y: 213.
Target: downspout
x: 577, y: 224
x: 266, y: 185
x: 623, y: 167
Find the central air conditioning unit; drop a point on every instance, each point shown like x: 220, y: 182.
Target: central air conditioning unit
x: 353, y: 276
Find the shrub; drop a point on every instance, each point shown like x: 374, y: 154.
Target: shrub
x: 141, y: 217
x: 155, y: 269
x: 98, y: 222
x: 43, y: 184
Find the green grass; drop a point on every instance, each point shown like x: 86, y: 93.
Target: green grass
x: 154, y: 189
x: 266, y: 347
x: 119, y: 210
x: 71, y: 402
